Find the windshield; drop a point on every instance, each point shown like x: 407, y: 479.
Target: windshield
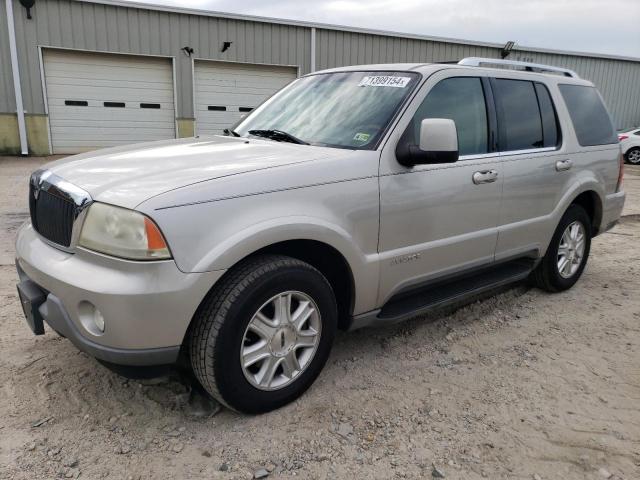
x: 344, y: 110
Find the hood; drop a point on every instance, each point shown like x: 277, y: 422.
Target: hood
x: 129, y: 175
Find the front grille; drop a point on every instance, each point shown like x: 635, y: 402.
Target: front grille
x: 52, y: 216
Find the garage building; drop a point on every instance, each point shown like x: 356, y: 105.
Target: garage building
x: 96, y: 73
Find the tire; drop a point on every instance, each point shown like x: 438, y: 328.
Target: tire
x: 547, y: 275
x: 633, y: 156
x: 221, y: 333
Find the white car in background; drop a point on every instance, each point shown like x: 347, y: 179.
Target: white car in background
x: 630, y: 145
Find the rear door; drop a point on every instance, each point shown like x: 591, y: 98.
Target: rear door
x: 536, y: 165
x: 434, y: 219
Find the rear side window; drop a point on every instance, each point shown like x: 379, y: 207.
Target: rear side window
x: 590, y: 118
x: 460, y: 99
x: 550, y: 130
x: 520, y: 125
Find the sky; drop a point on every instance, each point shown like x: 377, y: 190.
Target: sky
x: 598, y: 26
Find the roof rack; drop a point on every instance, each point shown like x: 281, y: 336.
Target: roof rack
x: 526, y: 66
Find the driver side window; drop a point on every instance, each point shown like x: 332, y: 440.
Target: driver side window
x: 460, y: 99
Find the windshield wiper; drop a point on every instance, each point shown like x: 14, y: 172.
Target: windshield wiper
x: 231, y: 133
x: 277, y: 135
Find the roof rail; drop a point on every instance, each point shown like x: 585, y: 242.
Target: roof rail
x: 526, y: 66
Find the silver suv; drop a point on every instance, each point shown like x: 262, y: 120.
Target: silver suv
x: 353, y: 197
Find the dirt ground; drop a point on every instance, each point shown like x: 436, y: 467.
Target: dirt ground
x: 524, y: 385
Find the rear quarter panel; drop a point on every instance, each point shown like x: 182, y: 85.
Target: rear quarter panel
x: 595, y: 168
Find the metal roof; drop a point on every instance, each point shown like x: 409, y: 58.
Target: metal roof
x: 253, y: 18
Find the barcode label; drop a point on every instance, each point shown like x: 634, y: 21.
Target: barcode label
x: 384, y: 81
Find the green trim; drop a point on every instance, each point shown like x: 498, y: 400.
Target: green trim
x: 9, y: 137
x: 186, y: 127
x: 37, y: 134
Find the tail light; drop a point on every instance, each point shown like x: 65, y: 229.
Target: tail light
x: 622, y: 137
x: 620, y: 174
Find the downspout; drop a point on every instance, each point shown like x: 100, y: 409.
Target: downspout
x: 22, y: 129
x: 312, y: 67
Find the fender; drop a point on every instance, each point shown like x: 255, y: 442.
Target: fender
x: 586, y: 182
x: 244, y: 242
x: 241, y: 244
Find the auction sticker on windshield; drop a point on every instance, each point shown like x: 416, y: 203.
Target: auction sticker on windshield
x: 384, y: 81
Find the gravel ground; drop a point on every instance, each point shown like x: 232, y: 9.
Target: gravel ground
x: 523, y: 385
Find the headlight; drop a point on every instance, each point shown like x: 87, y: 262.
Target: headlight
x: 122, y: 233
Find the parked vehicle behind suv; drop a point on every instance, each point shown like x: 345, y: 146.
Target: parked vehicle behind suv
x: 630, y: 145
x: 353, y: 197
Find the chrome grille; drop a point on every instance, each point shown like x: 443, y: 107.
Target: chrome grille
x: 52, y: 217
x: 54, y: 206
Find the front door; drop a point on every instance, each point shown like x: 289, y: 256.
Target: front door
x: 440, y: 219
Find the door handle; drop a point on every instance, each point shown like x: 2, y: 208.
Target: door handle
x: 563, y: 165
x: 485, y: 176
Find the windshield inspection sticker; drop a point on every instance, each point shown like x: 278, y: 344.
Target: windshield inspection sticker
x: 361, y: 137
x: 384, y: 81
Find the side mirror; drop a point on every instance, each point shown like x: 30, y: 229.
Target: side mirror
x: 438, y: 144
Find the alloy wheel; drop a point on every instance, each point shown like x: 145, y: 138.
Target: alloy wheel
x: 571, y: 249
x: 280, y: 340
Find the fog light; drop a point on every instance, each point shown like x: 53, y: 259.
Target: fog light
x: 98, y: 319
x: 91, y: 318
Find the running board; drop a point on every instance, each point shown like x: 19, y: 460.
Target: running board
x: 445, y: 293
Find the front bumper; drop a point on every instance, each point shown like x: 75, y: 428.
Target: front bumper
x: 146, y: 306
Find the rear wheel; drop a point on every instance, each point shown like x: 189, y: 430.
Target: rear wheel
x: 567, y: 254
x: 262, y: 336
x: 633, y: 156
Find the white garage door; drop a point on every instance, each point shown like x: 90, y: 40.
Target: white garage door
x: 101, y: 100
x: 224, y: 92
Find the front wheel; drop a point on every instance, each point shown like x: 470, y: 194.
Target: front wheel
x: 262, y: 336
x: 567, y: 254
